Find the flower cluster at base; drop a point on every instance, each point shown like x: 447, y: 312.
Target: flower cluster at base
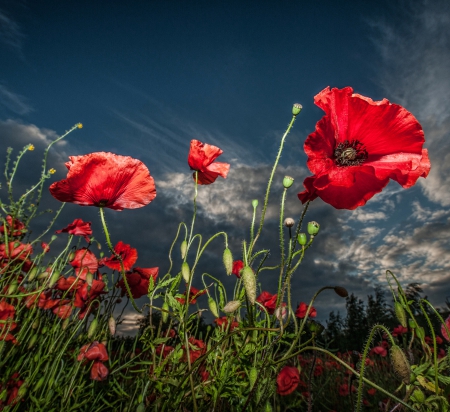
x: 358, y: 146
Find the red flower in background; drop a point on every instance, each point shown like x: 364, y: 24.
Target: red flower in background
x: 378, y: 350
x: 238, y: 265
x: 287, y: 380
x: 194, y: 293
x: 399, y: 330
x: 138, y: 281
x: 269, y: 301
x: 78, y: 228
x: 126, y: 252
x: 444, y: 331
x: 358, y: 146
x: 301, y: 311
x: 15, y: 250
x: 14, y: 227
x: 223, y: 323
x: 7, y: 312
x: 83, y: 262
x: 95, y: 352
x: 201, y: 158
x: 105, y: 180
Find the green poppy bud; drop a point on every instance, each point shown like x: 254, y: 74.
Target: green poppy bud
x: 232, y: 306
x: 296, y: 109
x: 71, y: 256
x: 3, y: 395
x: 54, y: 278
x: 65, y: 323
x: 228, y: 261
x: 288, y: 182
x: 302, y: 239
x: 255, y: 203
x: 213, y: 307
x: 418, y: 396
x: 141, y: 407
x: 400, y: 364
x: 249, y: 279
x: 92, y: 328
x: 53, y: 238
x: 400, y: 313
x: 32, y: 342
x: 313, y: 228
x: 252, y: 376
x: 165, y: 312
x: 183, y: 249
x: 12, y: 287
x: 22, y: 390
x: 35, y: 324
x: 32, y: 273
x: 412, y: 324
x: 89, y: 278
x: 39, y: 384
x: 185, y: 272
x: 420, y: 332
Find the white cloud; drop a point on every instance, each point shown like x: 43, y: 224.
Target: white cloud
x: 10, y: 32
x: 14, y: 102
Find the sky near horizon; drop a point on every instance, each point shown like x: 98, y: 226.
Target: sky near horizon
x: 145, y: 78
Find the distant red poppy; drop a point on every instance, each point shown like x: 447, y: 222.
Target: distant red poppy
x: 45, y: 247
x: 86, y: 293
x: 78, y: 228
x: 201, y: 158
x: 223, y: 323
x: 126, y: 252
x: 399, y: 330
x: 138, y: 280
x: 83, y: 262
x: 194, y: 293
x: 287, y: 380
x: 269, y: 301
x: 105, y: 180
x: 238, y: 265
x: 444, y: 330
x: 7, y: 312
x: 358, y: 146
x: 378, y: 350
x: 302, y: 309
x: 15, y: 251
x: 14, y: 227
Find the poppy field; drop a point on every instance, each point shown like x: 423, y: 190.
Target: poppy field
x: 59, y: 348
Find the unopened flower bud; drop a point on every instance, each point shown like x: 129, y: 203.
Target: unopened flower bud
x: 228, y: 261
x: 313, y: 228
x: 65, y: 323
x: 296, y: 109
x: 249, y: 279
x: 12, y: 287
x: 141, y: 407
x: 232, y: 306
x: 340, y: 291
x: 32, y: 341
x: 53, y: 238
x: 412, y: 324
x: 252, y: 376
x: 71, y: 256
x: 400, y: 364
x: 289, y: 222
x: 112, y: 325
x: 418, y: 396
x: 183, y: 249
x: 32, y: 273
x: 89, y: 278
x: 54, y: 278
x: 420, y: 332
x: 302, y: 239
x: 400, y: 313
x: 165, y: 312
x: 213, y: 307
x: 92, y: 328
x: 288, y: 181
x: 255, y: 203
x: 185, y: 272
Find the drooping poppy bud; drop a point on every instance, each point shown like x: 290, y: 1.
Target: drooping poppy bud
x: 213, y: 307
x: 165, y: 312
x: 92, y: 328
x: 228, y: 261
x: 185, y: 272
x: 183, y: 249
x: 249, y: 279
x: 400, y: 313
x: 341, y: 291
x: 400, y: 364
x: 232, y: 306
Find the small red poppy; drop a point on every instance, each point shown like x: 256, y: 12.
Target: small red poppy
x: 238, y: 265
x: 287, y: 380
x: 138, y: 281
x: 201, y: 158
x: 83, y: 262
x: 105, y: 180
x: 99, y: 372
x: 78, y: 228
x: 358, y: 146
x: 444, y: 329
x: 126, y: 252
x: 302, y: 309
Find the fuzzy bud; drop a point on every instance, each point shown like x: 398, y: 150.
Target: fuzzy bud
x: 183, y: 249
x: 165, y: 312
x: 232, y: 306
x: 92, y: 328
x: 249, y: 279
x: 418, y: 396
x: 228, y: 261
x: 288, y: 182
x: 32, y: 273
x: 32, y: 341
x: 252, y: 376
x: 141, y: 407
x: 340, y: 291
x: 296, y: 109
x: 89, y: 278
x: 400, y: 313
x: 412, y: 324
x: 289, y: 222
x: 54, y: 278
x: 112, y: 325
x: 302, y: 239
x: 400, y: 364
x: 185, y: 272
x: 213, y: 307
x: 12, y: 287
x: 313, y: 228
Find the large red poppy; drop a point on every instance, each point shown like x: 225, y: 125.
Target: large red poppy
x: 201, y: 158
x: 105, y: 180
x: 138, y: 281
x: 84, y: 262
x: 358, y: 146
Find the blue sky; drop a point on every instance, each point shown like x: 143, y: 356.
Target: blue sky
x: 147, y: 77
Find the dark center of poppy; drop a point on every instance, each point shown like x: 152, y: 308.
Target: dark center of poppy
x: 350, y: 153
x: 103, y: 203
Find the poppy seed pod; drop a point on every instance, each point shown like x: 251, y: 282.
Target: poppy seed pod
x: 185, y: 272
x: 232, y: 306
x: 183, y: 248
x: 302, y: 239
x: 255, y: 203
x: 400, y: 313
x: 340, y: 291
x: 249, y: 279
x: 228, y: 261
x: 313, y: 228
x: 289, y: 222
x: 296, y: 109
x: 288, y: 181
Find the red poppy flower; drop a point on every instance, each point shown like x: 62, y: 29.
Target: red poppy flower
x: 63, y: 310
x: 201, y: 158
x: 269, y: 301
x: 301, y: 311
x: 399, y: 330
x: 99, y: 372
x: 194, y: 293
x: 83, y: 262
x: 45, y: 247
x: 378, y: 350
x: 14, y: 227
x: 358, y: 146
x: 138, y: 281
x: 78, y: 228
x: 87, y: 293
x: 105, y: 180
x: 238, y: 265
x: 287, y: 380
x: 444, y: 330
x: 15, y: 250
x: 7, y: 312
x: 223, y: 323
x: 126, y: 252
